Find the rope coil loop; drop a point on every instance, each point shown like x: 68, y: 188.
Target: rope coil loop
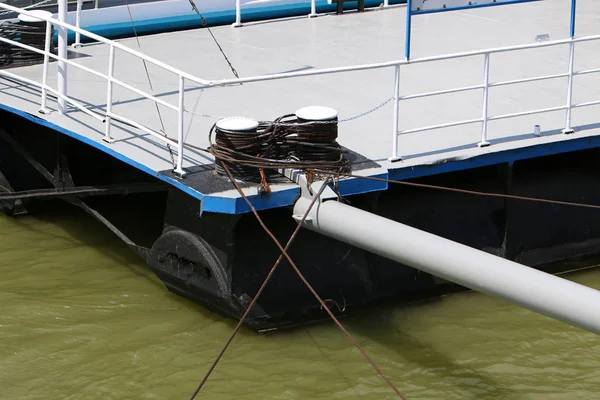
x: 287, y: 142
x: 28, y: 32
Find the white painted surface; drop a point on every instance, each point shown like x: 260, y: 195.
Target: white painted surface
x: 29, y: 18
x: 316, y: 113
x: 237, y: 124
x: 373, y: 36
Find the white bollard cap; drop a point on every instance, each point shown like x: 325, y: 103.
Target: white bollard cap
x: 317, y: 113
x: 237, y: 124
x: 39, y: 13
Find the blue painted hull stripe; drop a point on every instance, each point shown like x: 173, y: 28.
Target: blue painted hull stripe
x: 190, y: 21
x: 357, y: 186
x: 103, y: 148
x: 506, y: 156
x: 213, y: 204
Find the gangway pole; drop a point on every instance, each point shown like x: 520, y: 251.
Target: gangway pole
x: 530, y: 288
x: 62, y: 54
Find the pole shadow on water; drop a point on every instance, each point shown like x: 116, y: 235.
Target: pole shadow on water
x: 411, y: 350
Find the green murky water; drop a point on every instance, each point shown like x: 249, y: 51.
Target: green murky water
x: 81, y: 318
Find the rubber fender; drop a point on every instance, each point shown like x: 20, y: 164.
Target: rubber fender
x: 189, y: 260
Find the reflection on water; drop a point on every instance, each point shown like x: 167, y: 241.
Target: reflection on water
x: 82, y: 318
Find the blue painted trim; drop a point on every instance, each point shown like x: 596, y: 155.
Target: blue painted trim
x: 189, y: 21
x: 107, y: 150
x: 506, y: 156
x: 470, y: 7
x: 572, y: 27
x: 358, y: 186
x: 237, y: 205
x: 216, y: 204
x: 287, y: 197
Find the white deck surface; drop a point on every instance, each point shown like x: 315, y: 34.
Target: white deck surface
x: 352, y: 38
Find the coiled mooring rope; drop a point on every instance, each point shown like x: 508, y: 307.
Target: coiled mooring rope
x: 286, y: 142
x: 31, y: 33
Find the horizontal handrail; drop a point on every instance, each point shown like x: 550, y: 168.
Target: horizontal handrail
x: 438, y: 126
x: 322, y: 71
x: 437, y: 92
x: 587, y: 71
x: 586, y: 104
x: 386, y: 64
x: 109, y: 42
x: 528, y: 112
x: 206, y: 83
x: 93, y: 72
x: 525, y: 80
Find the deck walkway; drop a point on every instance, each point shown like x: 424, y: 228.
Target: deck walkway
x: 329, y: 41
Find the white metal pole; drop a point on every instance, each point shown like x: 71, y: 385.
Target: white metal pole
x: 313, y: 9
x: 238, y: 15
x: 179, y: 169
x: 386, y: 3
x: 395, y: 123
x: 78, y: 24
x: 62, y: 54
x: 535, y: 290
x: 47, y: 39
x: 486, y: 86
x: 111, y: 68
x: 569, y: 106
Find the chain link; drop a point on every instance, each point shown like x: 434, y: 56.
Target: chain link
x: 370, y: 111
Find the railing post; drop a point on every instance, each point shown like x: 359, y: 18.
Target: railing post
x: 386, y: 3
x: 111, y: 68
x: 179, y: 169
x: 313, y: 9
x: 62, y: 55
x: 78, y: 25
x: 486, y: 87
x: 238, y: 15
x: 395, y: 156
x: 47, y: 39
x: 568, y: 128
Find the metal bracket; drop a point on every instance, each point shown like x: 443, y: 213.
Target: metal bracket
x: 308, y: 191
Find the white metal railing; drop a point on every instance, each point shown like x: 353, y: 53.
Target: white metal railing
x: 485, y: 85
x: 184, y: 79
x: 238, y: 12
x: 109, y: 115
x: 312, y: 14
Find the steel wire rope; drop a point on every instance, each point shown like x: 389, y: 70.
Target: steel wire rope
x: 28, y: 33
x: 422, y: 185
x: 258, y: 293
x: 205, y: 24
x: 311, y: 289
x: 292, y: 149
x: 472, y: 192
x: 162, y: 124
